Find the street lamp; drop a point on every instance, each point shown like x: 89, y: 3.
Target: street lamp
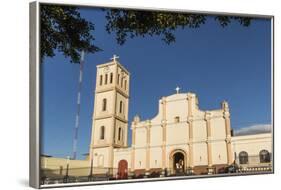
x: 91, y: 171
x: 90, y: 178
x: 65, y: 180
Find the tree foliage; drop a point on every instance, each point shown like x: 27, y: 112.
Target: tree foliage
x: 63, y: 29
x: 131, y: 23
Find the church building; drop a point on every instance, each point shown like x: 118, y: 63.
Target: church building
x: 181, y: 139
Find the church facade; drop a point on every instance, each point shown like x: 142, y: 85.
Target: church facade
x: 181, y: 139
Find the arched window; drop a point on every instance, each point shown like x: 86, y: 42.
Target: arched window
x: 118, y: 78
x: 102, y: 131
x: 264, y: 156
x: 111, y: 78
x: 119, y: 133
x: 105, y: 80
x: 243, y: 157
x: 100, y: 80
x: 104, y: 102
x: 121, y: 107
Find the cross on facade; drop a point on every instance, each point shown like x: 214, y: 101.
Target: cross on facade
x: 177, y: 89
x: 114, y: 58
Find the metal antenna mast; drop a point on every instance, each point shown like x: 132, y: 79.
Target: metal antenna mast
x: 77, y: 119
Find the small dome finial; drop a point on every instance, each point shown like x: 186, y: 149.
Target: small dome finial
x: 177, y: 89
x: 225, y: 105
x: 136, y: 119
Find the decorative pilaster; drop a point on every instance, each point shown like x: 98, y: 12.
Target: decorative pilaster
x: 136, y: 120
x: 189, y: 104
x: 164, y: 123
x: 110, y: 159
x: 133, y: 149
x: 209, y: 148
x: 209, y: 145
x: 190, y: 133
x: 229, y: 152
x: 112, y: 137
x: 148, y: 146
x: 226, y: 116
x: 190, y: 147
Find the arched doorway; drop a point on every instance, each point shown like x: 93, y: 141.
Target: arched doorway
x: 178, y: 162
x: 122, y: 169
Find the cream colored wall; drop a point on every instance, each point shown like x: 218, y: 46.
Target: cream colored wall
x: 124, y: 132
x: 140, y: 158
x: 104, y: 69
x: 200, y: 154
x: 199, y: 130
x: 218, y: 127
x: 126, y: 76
x: 101, y: 157
x: 177, y: 133
x: 155, y: 157
x: 219, y: 152
x: 55, y: 163
x: 124, y: 113
x: 57, y: 166
x: 99, y: 101
x: 54, y: 167
x: 156, y: 133
x: 107, y: 123
x: 140, y: 137
x: 177, y: 105
x: 252, y: 144
x: 122, y: 154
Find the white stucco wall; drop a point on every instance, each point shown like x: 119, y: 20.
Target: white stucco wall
x: 252, y: 144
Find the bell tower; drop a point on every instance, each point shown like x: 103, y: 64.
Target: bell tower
x: 110, y: 116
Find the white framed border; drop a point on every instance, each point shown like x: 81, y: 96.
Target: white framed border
x: 34, y: 145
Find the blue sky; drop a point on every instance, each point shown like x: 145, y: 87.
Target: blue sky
x: 216, y: 63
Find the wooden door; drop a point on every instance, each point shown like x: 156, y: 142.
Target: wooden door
x: 122, y: 169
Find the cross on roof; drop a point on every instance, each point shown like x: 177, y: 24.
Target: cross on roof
x: 114, y: 58
x: 177, y: 89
